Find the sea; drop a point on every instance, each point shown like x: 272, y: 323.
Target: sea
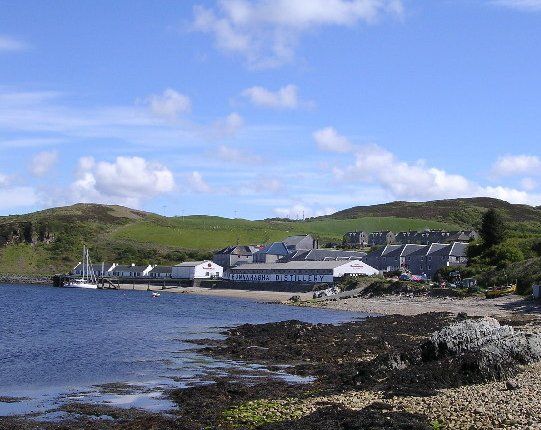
x: 60, y: 345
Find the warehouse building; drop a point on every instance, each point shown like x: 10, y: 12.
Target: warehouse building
x: 302, y: 272
x: 197, y: 270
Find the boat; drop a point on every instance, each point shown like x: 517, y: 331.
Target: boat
x: 89, y: 279
x: 501, y: 291
x: 155, y: 295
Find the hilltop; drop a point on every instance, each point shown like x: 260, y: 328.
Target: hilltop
x: 465, y: 212
x: 51, y: 240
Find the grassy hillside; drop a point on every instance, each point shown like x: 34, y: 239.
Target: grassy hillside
x: 51, y: 241
x: 201, y: 232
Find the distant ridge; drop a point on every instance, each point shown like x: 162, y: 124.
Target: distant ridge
x: 464, y: 211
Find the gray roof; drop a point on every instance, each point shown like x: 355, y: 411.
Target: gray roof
x: 124, y: 268
x: 294, y: 240
x: 191, y: 263
x: 96, y: 266
x: 162, y: 269
x: 293, y: 265
x: 459, y: 249
x: 237, y: 250
x: 331, y: 254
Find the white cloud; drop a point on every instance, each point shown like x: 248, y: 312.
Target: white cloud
x: 228, y: 126
x: 328, y: 139
x: 234, y: 155
x: 284, y: 98
x: 300, y: 211
x: 10, y: 44
x: 17, y: 197
x: 417, y: 181
x: 265, y: 32
x: 514, y: 165
x: 3, y: 180
x: 528, y: 184
x: 197, y: 183
x: 170, y: 104
x: 42, y: 162
x: 25, y: 114
x: 524, y: 5
x: 128, y: 181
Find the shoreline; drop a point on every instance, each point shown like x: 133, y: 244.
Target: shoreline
x: 505, y: 306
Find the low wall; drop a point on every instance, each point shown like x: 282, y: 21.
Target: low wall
x: 288, y: 287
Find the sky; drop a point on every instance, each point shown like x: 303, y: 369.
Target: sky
x: 267, y: 108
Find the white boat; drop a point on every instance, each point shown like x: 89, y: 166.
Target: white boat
x: 89, y: 279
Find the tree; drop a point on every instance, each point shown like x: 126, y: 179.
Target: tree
x: 492, y: 228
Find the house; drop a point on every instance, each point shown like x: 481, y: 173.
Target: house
x: 391, y: 257
x: 356, y: 239
x: 426, y: 237
x: 235, y: 255
x: 299, y: 272
x: 271, y: 253
x: 99, y: 269
x: 381, y: 238
x: 419, y: 259
x: 295, y: 243
x: 132, y: 271
x: 161, y: 272
x: 197, y: 270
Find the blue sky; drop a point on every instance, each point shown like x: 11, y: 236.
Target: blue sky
x: 268, y: 107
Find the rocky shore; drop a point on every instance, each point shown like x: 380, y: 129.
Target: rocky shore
x: 26, y: 279
x: 427, y: 371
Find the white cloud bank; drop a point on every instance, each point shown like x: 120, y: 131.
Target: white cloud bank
x: 301, y: 211
x: 284, y: 98
x: 42, y: 162
x: 128, y: 181
x: 418, y: 181
x: 265, y: 32
x: 515, y: 165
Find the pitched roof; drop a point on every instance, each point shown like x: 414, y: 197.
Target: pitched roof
x: 191, y: 263
x: 275, y: 248
x: 162, y: 269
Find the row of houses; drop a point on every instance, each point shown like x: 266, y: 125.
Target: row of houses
x: 425, y: 237
x: 187, y: 270
x: 418, y: 259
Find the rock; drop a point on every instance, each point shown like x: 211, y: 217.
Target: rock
x: 295, y: 299
x: 512, y: 384
x: 483, y: 349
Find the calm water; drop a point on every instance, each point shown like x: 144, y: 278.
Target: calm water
x: 58, y: 344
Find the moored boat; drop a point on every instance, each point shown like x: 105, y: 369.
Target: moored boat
x: 88, y: 279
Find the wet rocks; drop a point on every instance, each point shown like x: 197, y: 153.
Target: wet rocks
x: 483, y: 349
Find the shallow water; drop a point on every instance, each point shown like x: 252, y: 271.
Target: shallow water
x: 57, y: 344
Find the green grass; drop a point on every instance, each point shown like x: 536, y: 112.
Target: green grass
x: 208, y: 233
x: 23, y: 259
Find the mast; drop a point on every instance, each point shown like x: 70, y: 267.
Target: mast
x: 84, y: 261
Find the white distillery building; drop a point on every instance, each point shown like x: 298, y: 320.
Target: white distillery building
x: 304, y: 272
x: 197, y: 270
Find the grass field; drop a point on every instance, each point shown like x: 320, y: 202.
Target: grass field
x: 210, y: 233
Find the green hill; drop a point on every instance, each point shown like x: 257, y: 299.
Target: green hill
x: 51, y: 241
